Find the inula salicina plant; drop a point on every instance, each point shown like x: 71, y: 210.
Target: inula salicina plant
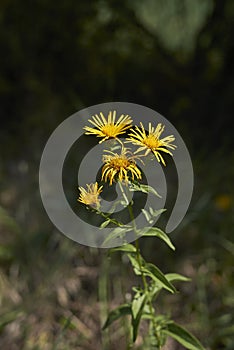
x: 122, y: 167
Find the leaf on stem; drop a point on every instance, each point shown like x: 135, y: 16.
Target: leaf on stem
x: 128, y: 248
x: 118, y: 232
x: 156, y: 232
x: 122, y: 310
x: 171, y: 277
x: 105, y: 223
x: 135, y: 263
x: 152, y: 214
x: 147, y: 216
x: 137, y: 310
x: 183, y: 336
x: 153, y: 271
x: 136, y: 186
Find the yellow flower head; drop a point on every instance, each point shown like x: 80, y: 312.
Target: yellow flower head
x: 151, y: 142
x: 108, y: 128
x: 120, y: 167
x: 91, y: 195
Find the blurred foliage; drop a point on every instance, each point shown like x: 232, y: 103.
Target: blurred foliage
x: 58, y: 57
x: 176, y: 23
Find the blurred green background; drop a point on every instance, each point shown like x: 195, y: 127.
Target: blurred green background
x: 175, y: 57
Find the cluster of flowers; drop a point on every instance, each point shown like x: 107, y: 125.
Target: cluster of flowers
x: 122, y: 166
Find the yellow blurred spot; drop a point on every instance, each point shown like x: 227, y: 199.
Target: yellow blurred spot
x: 223, y: 202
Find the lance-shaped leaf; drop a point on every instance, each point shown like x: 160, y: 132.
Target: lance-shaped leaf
x: 122, y: 310
x: 128, y: 248
x: 141, y: 267
x: 135, y: 263
x: 137, y: 310
x: 105, y: 223
x: 183, y: 336
x: 118, y: 232
x: 156, y: 232
x: 152, y: 214
x: 156, y: 286
x: 171, y: 277
x: 136, y: 186
x: 153, y: 271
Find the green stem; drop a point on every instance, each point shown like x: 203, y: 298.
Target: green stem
x: 143, y: 277
x: 107, y: 217
x: 146, y: 289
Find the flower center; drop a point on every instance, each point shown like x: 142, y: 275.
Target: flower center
x: 109, y: 130
x: 151, y: 141
x: 119, y: 162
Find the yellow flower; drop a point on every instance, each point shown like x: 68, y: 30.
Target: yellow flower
x: 151, y: 142
x: 108, y: 128
x: 91, y: 195
x: 120, y: 167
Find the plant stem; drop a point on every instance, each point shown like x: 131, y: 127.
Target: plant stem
x: 143, y: 277
x: 113, y: 221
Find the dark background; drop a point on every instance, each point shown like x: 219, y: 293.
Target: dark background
x: 175, y: 57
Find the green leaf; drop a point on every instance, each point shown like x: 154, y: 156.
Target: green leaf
x: 156, y: 212
x: 150, y: 270
x: 129, y: 248
x: 152, y: 190
x: 153, y: 271
x: 183, y: 336
x: 152, y: 214
x: 154, y: 231
x: 137, y: 309
x: 147, y: 216
x: 117, y: 232
x: 156, y: 287
x: 171, y: 277
x: 137, y: 305
x: 122, y: 310
x: 157, y: 339
x: 135, y: 263
x: 136, y: 186
x: 105, y: 223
